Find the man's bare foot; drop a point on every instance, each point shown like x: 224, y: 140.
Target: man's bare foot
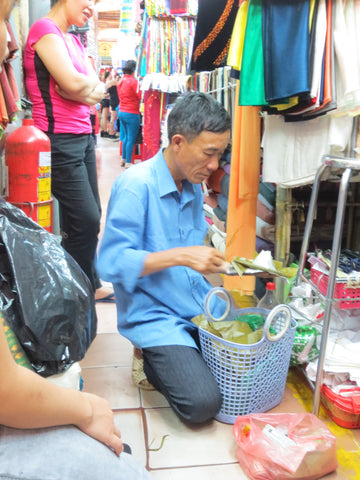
x: 104, y: 294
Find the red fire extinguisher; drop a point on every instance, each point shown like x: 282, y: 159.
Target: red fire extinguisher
x: 28, y: 159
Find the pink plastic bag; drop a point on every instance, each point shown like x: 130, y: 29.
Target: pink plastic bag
x: 281, y: 446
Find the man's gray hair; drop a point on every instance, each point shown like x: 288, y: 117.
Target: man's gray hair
x: 194, y: 113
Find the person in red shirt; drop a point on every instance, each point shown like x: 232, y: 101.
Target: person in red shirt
x: 129, y: 110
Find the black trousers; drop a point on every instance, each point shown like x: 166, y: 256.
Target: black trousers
x: 74, y: 184
x: 182, y: 376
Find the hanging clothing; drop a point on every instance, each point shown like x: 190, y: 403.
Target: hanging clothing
x: 292, y: 152
x: 9, y: 93
x: 215, y: 23
x: 237, y: 38
x: 346, y: 48
x: 127, y: 15
x: 178, y: 7
x: 252, y: 90
x: 166, y: 45
x: 285, y: 33
x: 152, y: 121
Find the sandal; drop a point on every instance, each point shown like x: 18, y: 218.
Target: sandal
x: 138, y: 374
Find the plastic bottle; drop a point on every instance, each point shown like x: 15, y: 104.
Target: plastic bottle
x: 269, y: 300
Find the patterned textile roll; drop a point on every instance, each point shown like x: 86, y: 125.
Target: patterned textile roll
x: 215, y: 23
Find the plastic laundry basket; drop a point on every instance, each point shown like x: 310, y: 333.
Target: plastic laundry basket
x: 251, y: 378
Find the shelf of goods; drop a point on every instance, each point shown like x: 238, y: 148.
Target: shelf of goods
x: 327, y: 287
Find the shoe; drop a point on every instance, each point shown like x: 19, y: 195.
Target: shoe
x: 137, y: 372
x: 113, y: 136
x: 128, y: 164
x: 103, y: 134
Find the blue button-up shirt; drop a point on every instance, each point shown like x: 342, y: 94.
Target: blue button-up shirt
x: 146, y: 213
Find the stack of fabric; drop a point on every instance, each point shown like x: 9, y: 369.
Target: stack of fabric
x: 9, y: 93
x: 216, y: 207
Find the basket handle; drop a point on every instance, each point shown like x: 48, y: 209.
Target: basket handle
x: 275, y: 311
x: 209, y: 296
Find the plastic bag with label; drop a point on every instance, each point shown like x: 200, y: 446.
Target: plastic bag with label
x: 284, y: 445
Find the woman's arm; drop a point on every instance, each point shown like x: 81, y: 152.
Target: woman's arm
x: 30, y: 401
x: 52, y: 50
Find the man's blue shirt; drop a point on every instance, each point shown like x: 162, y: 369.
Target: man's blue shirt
x: 146, y: 213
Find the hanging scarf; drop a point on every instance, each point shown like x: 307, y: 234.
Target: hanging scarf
x: 252, y: 66
x: 215, y: 23
x: 285, y: 30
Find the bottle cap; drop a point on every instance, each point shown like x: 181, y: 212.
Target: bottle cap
x: 270, y: 286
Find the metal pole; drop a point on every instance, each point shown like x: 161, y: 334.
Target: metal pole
x: 329, y: 299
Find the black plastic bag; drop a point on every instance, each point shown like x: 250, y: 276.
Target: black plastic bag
x: 44, y: 295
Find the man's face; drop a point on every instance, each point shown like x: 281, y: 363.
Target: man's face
x: 196, y: 160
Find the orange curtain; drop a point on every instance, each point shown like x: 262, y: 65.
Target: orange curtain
x: 243, y: 192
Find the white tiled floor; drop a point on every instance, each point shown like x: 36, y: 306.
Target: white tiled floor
x: 170, y: 449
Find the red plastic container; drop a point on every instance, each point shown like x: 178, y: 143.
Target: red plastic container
x: 344, y: 410
x: 349, y: 296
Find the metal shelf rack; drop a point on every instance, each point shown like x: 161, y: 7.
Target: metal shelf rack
x: 343, y: 167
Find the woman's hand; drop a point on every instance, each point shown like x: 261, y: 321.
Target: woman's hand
x: 91, y: 99
x: 100, y: 423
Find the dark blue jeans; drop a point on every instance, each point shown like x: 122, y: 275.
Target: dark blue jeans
x: 74, y: 184
x: 129, y: 129
x: 182, y: 376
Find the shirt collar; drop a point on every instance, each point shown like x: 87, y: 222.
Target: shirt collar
x: 166, y: 182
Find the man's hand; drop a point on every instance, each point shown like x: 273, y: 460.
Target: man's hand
x: 204, y: 259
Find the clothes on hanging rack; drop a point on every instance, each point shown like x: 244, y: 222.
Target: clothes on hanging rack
x: 292, y: 152
x: 166, y: 44
x: 298, y: 59
x: 160, y: 8
x: 9, y: 93
x: 215, y: 22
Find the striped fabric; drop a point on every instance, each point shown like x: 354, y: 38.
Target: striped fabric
x: 127, y: 17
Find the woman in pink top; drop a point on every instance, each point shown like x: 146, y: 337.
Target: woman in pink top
x: 62, y: 85
x: 129, y: 110
x: 48, y: 431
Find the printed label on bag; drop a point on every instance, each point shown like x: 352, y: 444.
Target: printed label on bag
x: 277, y: 436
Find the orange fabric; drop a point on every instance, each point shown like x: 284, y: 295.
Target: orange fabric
x: 243, y: 191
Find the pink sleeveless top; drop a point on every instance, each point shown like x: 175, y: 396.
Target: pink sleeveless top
x: 51, y: 112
